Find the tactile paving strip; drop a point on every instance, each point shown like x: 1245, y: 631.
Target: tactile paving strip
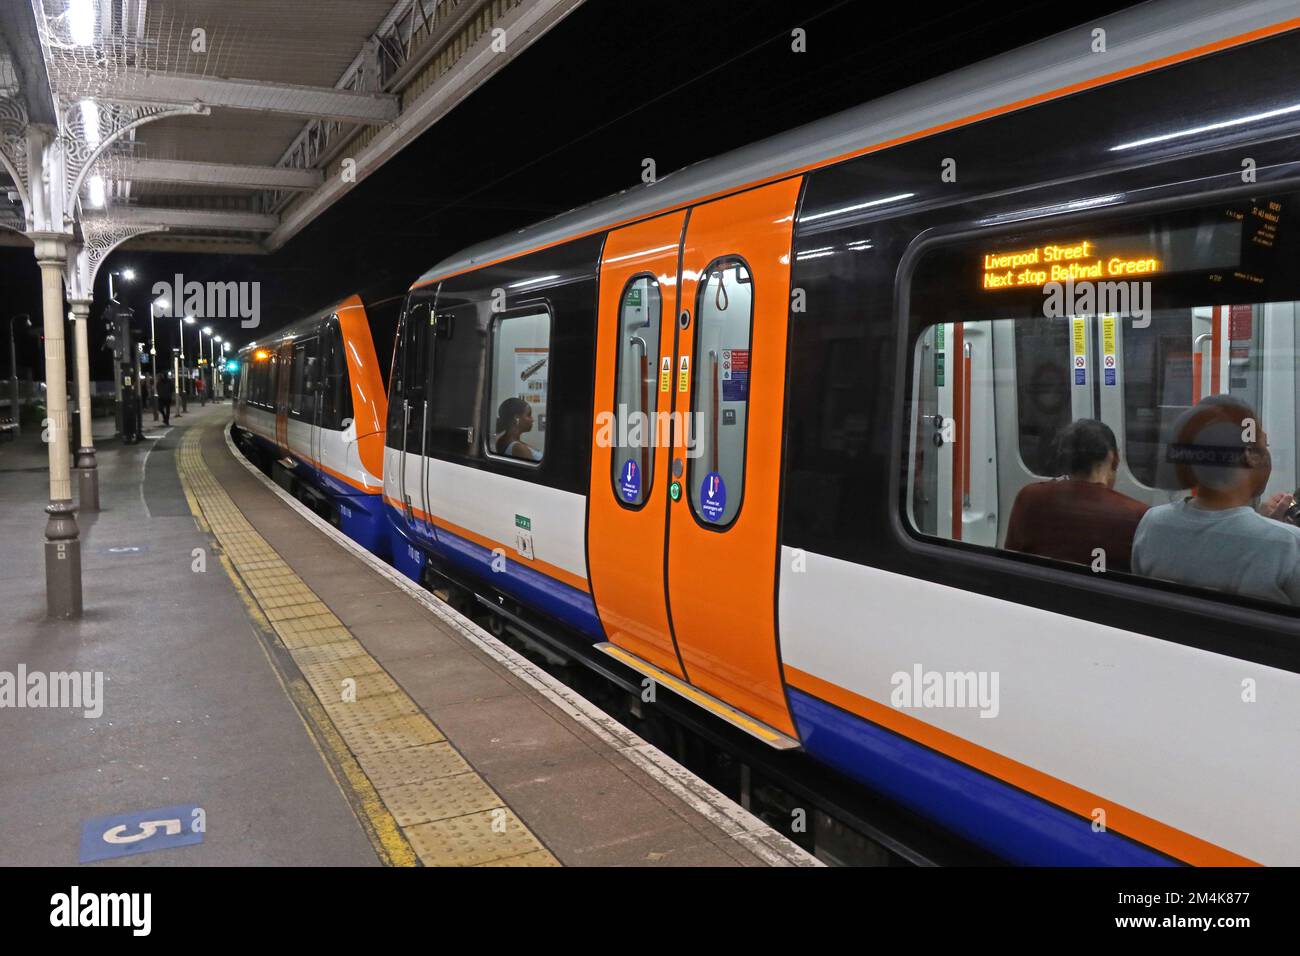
x: 448, y: 814
x: 474, y: 838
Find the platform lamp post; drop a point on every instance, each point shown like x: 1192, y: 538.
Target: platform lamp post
x: 127, y: 274
x: 212, y: 363
x: 189, y: 382
x: 180, y: 386
x: 13, y: 370
x: 206, y: 330
x: 177, y: 391
x: 153, y: 353
x: 225, y: 347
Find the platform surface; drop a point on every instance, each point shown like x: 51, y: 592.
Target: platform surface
x: 317, y: 707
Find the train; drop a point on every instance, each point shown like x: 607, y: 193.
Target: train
x: 756, y: 431
x: 311, y: 400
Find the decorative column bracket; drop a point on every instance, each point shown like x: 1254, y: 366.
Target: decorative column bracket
x: 82, y: 150
x: 13, y: 147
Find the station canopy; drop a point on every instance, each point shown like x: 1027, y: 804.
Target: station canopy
x: 229, y: 125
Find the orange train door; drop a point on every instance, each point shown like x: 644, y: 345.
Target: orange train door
x: 722, y: 532
x: 628, y: 494
x: 681, y: 536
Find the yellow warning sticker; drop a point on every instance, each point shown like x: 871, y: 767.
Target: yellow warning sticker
x: 684, y: 374
x: 1108, y: 334
x: 666, y: 374
x: 1080, y: 337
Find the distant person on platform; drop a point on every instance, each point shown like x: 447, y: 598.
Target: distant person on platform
x: 1070, y: 517
x: 166, y: 389
x: 202, y: 392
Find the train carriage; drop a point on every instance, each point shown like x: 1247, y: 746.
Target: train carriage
x: 758, y: 431
x: 311, y: 405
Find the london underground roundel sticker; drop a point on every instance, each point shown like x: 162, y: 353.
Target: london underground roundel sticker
x: 713, y: 496
x: 629, y: 481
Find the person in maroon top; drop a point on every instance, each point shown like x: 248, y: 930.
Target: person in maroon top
x: 1070, y: 517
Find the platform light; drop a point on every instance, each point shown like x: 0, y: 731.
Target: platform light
x: 207, y: 330
x: 261, y: 355
x: 189, y: 320
x: 128, y: 275
x: 90, y: 122
x: 81, y: 22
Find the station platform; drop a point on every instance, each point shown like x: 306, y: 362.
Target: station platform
x: 313, y: 706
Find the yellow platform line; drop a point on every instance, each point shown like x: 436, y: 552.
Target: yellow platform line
x: 416, y: 797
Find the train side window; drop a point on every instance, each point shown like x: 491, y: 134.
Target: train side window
x: 724, y: 311
x: 1122, y: 397
x: 636, y: 391
x: 520, y: 366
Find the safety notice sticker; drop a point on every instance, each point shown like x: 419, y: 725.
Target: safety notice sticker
x: 735, y: 375
x: 1080, y: 338
x: 1108, y: 359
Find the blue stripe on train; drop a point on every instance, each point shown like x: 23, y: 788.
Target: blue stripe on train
x: 1013, y: 824
x: 538, y: 591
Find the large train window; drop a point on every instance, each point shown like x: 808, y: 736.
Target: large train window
x: 1119, y: 396
x: 724, y: 323
x: 520, y: 365
x: 636, y: 391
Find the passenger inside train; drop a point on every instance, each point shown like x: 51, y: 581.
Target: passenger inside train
x: 514, y: 419
x: 1070, y: 518
x: 1216, y: 538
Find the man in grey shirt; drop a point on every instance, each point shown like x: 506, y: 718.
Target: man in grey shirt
x: 1217, y: 539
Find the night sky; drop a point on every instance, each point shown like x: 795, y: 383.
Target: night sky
x: 569, y: 122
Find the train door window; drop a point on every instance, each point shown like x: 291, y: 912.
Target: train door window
x: 724, y: 311
x: 636, y: 391
x: 521, y: 348
x: 303, y: 379
x: 408, y: 394
x: 1042, y: 351
x: 393, y: 433
x: 1120, y: 397
x: 459, y: 360
x: 336, y: 398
